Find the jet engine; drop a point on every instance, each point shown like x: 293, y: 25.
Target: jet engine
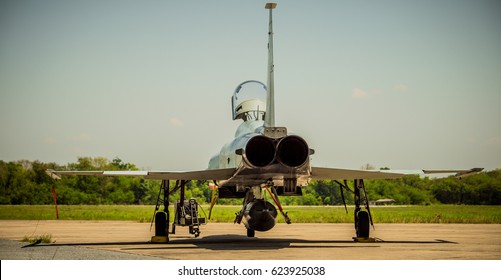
x: 260, y: 215
x: 260, y: 151
x: 292, y: 151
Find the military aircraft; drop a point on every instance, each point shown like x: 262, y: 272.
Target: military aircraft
x: 262, y: 158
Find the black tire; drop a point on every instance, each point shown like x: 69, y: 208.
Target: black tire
x: 160, y: 224
x: 363, y: 228
x: 251, y: 233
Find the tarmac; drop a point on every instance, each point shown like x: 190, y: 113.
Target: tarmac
x: 119, y: 240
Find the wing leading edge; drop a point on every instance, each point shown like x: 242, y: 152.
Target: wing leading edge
x: 322, y: 173
x: 317, y: 173
x: 210, y: 174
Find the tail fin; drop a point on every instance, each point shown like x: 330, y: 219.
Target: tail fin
x: 269, y: 118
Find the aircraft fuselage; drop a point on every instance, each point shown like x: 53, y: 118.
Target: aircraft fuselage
x: 264, y: 158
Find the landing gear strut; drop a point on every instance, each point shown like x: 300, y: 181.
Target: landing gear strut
x: 185, y: 214
x: 162, y: 218
x: 363, y: 218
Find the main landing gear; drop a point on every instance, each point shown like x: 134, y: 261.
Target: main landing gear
x: 185, y: 213
x: 363, y: 217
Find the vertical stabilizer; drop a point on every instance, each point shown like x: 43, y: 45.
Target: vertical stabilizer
x: 269, y: 119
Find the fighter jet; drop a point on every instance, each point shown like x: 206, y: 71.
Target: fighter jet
x: 262, y: 158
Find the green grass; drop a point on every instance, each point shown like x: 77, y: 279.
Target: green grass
x: 299, y: 214
x: 141, y: 213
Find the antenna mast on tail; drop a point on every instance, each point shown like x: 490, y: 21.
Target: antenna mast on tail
x: 269, y: 119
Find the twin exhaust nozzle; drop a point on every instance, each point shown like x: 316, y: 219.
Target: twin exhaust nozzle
x: 261, y: 151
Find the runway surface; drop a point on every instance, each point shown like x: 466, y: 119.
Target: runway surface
x: 222, y: 241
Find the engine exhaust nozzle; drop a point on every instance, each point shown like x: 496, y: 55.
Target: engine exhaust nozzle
x: 292, y: 151
x: 260, y: 151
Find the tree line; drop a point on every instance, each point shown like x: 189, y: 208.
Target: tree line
x: 26, y: 182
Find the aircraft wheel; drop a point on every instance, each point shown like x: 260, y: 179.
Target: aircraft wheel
x: 251, y: 233
x: 161, y: 224
x: 363, y: 227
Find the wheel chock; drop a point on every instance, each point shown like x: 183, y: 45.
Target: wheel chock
x: 364, y: 239
x: 159, y: 239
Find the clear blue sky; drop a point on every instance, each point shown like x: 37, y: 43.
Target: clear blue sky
x: 403, y: 84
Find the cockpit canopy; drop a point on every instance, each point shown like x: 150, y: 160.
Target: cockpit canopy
x: 249, y: 101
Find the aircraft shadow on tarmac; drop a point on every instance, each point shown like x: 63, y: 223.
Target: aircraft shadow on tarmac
x: 240, y: 242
